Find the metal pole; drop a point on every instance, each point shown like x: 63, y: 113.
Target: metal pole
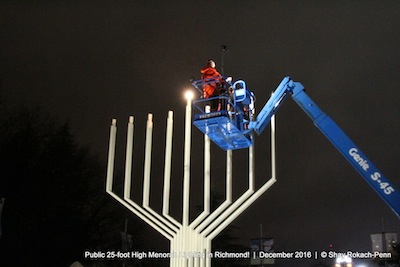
x: 111, y: 154
x: 186, y: 180
x: 147, y: 161
x: 167, y: 168
x: 223, y: 50
x: 273, y: 146
x: 229, y: 175
x: 228, y: 199
x: 251, y: 166
x: 186, y: 174
x: 207, y: 177
x: 128, y: 160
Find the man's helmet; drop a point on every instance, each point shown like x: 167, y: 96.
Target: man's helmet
x: 211, y: 63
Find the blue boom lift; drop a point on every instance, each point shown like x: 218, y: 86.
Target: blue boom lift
x: 231, y: 128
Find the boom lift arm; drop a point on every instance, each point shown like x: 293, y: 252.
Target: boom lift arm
x: 334, y: 133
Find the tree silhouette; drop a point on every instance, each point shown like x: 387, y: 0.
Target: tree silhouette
x: 56, y: 207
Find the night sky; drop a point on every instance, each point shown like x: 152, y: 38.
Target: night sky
x: 91, y: 61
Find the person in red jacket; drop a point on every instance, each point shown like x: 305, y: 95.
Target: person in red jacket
x: 212, y: 81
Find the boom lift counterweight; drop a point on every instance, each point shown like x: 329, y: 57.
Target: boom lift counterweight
x: 230, y: 130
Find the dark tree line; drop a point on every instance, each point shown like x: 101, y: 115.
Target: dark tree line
x: 55, y: 202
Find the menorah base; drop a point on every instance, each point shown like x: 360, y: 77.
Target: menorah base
x: 190, y: 249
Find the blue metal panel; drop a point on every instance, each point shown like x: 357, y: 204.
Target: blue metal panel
x: 222, y: 131
x: 350, y: 151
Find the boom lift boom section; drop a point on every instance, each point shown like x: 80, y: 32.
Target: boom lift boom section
x: 227, y: 140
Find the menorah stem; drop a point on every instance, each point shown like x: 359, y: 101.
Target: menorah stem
x: 208, y: 250
x: 207, y: 174
x: 207, y: 177
x: 185, y: 231
x: 167, y: 167
x: 186, y: 174
x: 147, y: 161
x: 228, y: 193
x: 251, y: 167
x: 128, y: 160
x: 273, y: 146
x: 229, y: 174
x: 111, y: 154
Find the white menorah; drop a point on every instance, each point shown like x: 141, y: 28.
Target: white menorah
x: 190, y: 241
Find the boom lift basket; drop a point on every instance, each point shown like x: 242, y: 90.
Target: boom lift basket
x: 223, y: 127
